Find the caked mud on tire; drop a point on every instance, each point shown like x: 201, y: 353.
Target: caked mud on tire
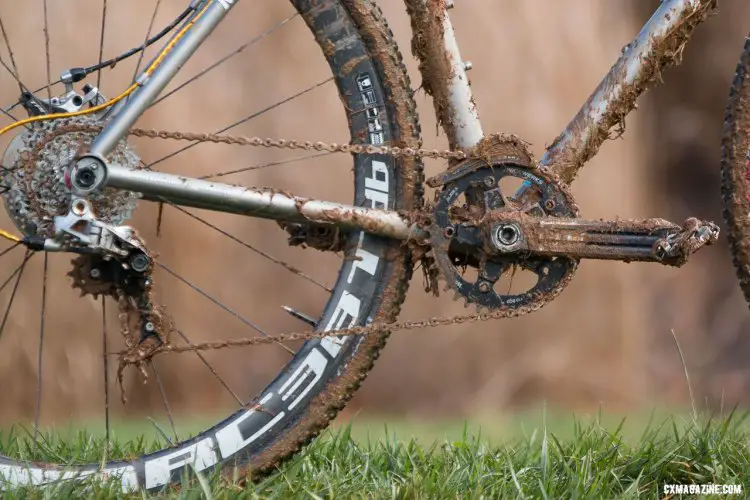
x: 302, y: 400
x: 735, y: 170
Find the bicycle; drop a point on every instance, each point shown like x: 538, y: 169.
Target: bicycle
x: 72, y: 180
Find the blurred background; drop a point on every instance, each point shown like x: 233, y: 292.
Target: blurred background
x: 605, y: 342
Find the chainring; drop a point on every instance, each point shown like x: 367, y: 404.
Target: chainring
x: 456, y: 239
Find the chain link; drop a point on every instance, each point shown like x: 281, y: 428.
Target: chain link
x: 136, y: 356
x: 319, y: 146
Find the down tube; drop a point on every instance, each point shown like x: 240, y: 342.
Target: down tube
x: 658, y: 46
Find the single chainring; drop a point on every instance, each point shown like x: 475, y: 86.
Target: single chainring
x: 471, y: 192
x: 34, y: 175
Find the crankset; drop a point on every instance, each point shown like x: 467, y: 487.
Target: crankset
x: 479, y: 225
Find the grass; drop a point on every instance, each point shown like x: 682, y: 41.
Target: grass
x: 592, y: 461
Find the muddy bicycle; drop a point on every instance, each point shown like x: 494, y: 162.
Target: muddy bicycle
x: 72, y: 178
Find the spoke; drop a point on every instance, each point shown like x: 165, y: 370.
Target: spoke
x: 244, y: 120
x: 164, y: 398
x: 46, y: 47
x: 6, y: 112
x: 41, y: 346
x: 145, y: 42
x: 101, y: 44
x: 10, y: 52
x: 161, y: 431
x: 212, y: 370
x: 270, y: 257
x: 232, y: 54
x: 19, y: 273
x: 7, y: 250
x: 221, y: 305
x: 266, y: 165
x: 106, y: 371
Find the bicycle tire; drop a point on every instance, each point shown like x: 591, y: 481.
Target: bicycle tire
x: 369, y: 73
x: 735, y: 170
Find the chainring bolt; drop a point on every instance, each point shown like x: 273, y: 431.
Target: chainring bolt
x: 485, y: 287
x: 449, y: 232
x: 549, y: 204
x: 490, y: 182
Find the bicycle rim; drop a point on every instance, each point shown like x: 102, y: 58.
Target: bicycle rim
x: 317, y: 378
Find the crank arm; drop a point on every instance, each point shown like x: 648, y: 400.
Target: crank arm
x: 650, y: 240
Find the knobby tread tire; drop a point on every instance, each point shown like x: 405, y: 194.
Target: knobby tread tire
x: 379, y: 40
x: 735, y: 170
x: 318, y: 382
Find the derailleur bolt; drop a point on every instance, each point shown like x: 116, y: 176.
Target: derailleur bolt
x: 139, y: 262
x: 149, y: 327
x: 96, y: 274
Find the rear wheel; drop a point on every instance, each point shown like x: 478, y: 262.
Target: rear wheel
x: 318, y: 377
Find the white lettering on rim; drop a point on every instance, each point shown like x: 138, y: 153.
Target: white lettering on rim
x: 200, y: 455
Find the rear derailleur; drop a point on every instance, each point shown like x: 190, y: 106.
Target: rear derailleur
x: 112, y: 261
x: 478, y: 225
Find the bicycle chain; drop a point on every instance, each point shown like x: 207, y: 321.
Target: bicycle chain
x: 332, y: 147
x: 134, y: 356
x: 137, y: 355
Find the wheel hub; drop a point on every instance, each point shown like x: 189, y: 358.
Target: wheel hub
x: 34, y: 170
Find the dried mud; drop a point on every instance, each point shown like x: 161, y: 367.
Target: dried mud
x: 606, y: 339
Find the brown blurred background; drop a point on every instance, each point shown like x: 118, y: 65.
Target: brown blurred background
x: 606, y: 340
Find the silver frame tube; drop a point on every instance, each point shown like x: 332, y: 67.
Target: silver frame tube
x: 267, y: 204
x: 152, y: 86
x: 658, y: 45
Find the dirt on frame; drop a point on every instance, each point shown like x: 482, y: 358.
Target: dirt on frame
x: 605, y: 340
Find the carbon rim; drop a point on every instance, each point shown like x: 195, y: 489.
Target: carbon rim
x: 355, y: 300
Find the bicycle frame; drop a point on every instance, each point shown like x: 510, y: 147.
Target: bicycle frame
x: 658, y: 45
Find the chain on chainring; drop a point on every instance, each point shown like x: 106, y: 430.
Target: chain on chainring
x: 138, y: 354
x: 484, y: 152
x: 457, y: 241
